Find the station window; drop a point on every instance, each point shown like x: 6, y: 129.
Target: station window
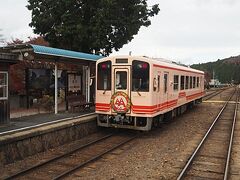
x: 197, y: 81
x: 182, y: 82
x: 3, y: 85
x: 140, y: 76
x: 191, y: 82
x: 175, y: 82
x: 104, y: 75
x: 194, y: 82
x: 187, y: 82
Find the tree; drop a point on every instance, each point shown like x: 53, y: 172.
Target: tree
x: 225, y: 70
x: 38, y: 41
x: 15, y: 42
x: 90, y: 25
x: 1, y: 38
x: 31, y: 40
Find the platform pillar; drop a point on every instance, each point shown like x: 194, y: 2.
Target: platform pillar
x: 56, y: 88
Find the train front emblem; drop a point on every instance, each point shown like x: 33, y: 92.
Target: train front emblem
x: 120, y: 102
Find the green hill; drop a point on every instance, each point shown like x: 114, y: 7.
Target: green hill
x: 225, y: 70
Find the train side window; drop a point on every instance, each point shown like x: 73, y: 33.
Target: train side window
x: 194, y: 82
x: 191, y: 82
x: 140, y: 76
x: 175, y: 82
x: 158, y: 83
x: 182, y: 83
x: 197, y: 81
x: 155, y: 83
x: 187, y: 82
x: 165, y: 82
x: 104, y: 75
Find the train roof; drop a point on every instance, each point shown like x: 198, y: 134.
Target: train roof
x: 159, y: 62
x: 171, y: 64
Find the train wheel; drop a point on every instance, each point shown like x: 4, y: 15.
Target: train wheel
x: 168, y: 117
x: 155, y: 123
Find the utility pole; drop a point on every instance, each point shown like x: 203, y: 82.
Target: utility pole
x: 213, y: 79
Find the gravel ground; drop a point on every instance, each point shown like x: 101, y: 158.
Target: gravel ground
x: 156, y: 155
x: 159, y: 154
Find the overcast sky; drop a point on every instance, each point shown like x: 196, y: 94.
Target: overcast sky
x: 189, y: 31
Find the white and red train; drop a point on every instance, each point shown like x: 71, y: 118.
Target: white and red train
x: 139, y: 92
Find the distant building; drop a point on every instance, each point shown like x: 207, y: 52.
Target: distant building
x: 214, y: 82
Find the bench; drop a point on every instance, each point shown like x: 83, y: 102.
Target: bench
x: 79, y: 102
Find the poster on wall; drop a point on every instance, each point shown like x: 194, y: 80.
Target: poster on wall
x: 74, y: 82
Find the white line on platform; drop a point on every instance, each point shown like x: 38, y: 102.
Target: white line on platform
x: 208, y: 101
x: 44, y: 124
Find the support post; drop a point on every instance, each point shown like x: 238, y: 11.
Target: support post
x: 87, y: 83
x: 56, y: 88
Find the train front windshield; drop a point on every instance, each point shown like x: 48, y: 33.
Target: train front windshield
x: 104, y: 75
x: 140, y: 76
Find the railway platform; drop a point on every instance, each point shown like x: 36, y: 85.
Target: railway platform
x: 29, y: 135
x: 26, y: 122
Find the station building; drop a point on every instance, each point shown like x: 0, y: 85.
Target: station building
x: 40, y: 79
x: 5, y: 61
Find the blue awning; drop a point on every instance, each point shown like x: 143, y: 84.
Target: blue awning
x: 63, y: 53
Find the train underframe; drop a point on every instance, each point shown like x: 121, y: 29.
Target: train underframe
x: 141, y: 123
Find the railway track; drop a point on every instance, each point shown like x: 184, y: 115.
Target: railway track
x: 63, y: 165
x: 213, y: 94
x: 211, y: 158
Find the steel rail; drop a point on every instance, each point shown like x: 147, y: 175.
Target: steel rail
x: 93, y: 159
x: 213, y: 94
x: 231, y: 141
x: 183, y: 172
x: 56, y: 158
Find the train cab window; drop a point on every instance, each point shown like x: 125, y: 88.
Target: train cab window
x: 121, y: 80
x: 104, y: 75
x: 175, y: 82
x: 182, y: 83
x: 187, y: 82
x: 3, y: 85
x: 158, y: 83
x: 140, y: 76
x: 194, y: 82
x: 191, y: 82
x: 197, y: 81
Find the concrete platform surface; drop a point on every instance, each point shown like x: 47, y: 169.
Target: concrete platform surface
x: 33, y: 120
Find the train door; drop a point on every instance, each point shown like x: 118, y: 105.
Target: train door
x: 165, y: 88
x: 158, y: 88
x: 121, y: 89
